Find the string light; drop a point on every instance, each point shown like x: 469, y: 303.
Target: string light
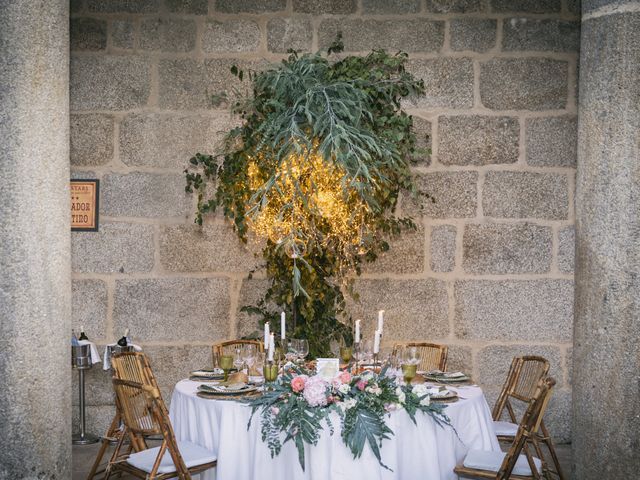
x: 309, y: 202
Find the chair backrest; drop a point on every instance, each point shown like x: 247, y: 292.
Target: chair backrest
x: 228, y: 347
x: 521, y: 383
x: 528, y: 426
x: 133, y: 366
x: 432, y: 355
x: 144, y: 413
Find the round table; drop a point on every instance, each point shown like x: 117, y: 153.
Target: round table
x: 424, y: 451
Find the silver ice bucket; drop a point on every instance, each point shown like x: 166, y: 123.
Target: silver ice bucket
x: 81, y: 356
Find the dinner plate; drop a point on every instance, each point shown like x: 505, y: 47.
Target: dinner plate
x: 446, y: 396
x: 207, y: 374
x: 222, y: 390
x: 441, y: 378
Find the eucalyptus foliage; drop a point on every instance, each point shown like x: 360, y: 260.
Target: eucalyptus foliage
x: 361, y: 403
x: 348, y: 112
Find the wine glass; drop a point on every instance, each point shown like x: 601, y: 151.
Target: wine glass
x: 237, y: 359
x: 259, y: 360
x: 303, y: 349
x: 409, y: 372
x: 270, y: 372
x: 226, y: 364
x: 345, y: 354
x: 292, y: 352
x: 249, y: 355
x: 335, y: 347
x: 410, y: 361
x: 367, y: 350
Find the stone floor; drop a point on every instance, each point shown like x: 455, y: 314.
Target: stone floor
x: 83, y: 457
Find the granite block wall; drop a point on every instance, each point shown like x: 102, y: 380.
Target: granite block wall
x: 490, y: 269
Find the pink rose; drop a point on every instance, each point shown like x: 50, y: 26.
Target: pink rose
x: 297, y: 383
x: 362, y: 384
x: 345, y: 377
x: 275, y: 410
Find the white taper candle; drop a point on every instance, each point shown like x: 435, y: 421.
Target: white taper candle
x: 381, y: 321
x: 272, y: 347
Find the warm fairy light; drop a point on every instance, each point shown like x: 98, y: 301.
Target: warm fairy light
x: 309, y: 202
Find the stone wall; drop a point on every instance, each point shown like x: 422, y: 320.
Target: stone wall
x: 490, y: 270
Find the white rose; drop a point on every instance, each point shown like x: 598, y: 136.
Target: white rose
x: 401, y: 395
x: 350, y: 403
x: 426, y: 401
x: 344, y: 388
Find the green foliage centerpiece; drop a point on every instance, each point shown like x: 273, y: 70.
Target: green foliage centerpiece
x: 300, y: 404
x: 314, y: 173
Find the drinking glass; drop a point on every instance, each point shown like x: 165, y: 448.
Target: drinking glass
x: 216, y: 361
x: 237, y: 359
x: 303, y: 349
x: 291, y: 353
x: 335, y: 347
x: 226, y: 364
x: 259, y: 361
x: 409, y: 371
x: 270, y: 371
x: 410, y: 355
x: 345, y: 354
x: 367, y: 350
x: 249, y: 355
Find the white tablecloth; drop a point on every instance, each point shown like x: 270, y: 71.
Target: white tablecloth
x: 425, y: 451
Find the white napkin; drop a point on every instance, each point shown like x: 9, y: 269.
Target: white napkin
x: 106, y: 364
x: 95, y: 356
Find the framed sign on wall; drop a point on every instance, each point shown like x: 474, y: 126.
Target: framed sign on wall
x: 85, y: 196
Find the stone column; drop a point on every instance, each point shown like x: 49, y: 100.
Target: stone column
x: 35, y: 291
x: 606, y: 355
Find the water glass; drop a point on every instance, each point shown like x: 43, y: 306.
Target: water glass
x: 303, y: 349
x: 346, y: 354
x: 409, y: 372
x: 226, y: 364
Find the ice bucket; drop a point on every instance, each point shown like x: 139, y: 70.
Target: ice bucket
x: 81, y: 356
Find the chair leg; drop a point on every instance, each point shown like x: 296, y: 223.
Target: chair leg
x: 544, y: 467
x: 546, y: 438
x: 112, y: 432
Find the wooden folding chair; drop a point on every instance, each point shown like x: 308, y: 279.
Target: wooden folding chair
x: 432, y: 355
x: 228, y: 347
x: 520, y: 385
x: 144, y: 414
x: 511, y: 464
x: 132, y: 366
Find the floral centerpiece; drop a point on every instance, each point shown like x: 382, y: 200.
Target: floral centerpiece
x: 299, y: 405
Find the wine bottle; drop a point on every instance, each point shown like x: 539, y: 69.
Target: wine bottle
x: 123, y: 341
x: 83, y: 336
x: 74, y: 339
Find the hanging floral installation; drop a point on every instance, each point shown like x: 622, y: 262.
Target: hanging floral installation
x: 313, y: 174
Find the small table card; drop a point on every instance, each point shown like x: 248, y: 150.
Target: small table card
x: 327, y: 368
